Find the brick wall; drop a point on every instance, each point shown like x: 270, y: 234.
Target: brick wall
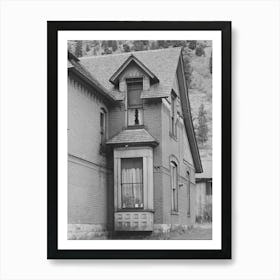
x: 153, y: 124
x: 88, y: 176
x: 178, y: 148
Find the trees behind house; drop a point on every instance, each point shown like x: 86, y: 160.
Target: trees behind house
x: 79, y: 48
x: 202, y: 128
x: 210, y: 64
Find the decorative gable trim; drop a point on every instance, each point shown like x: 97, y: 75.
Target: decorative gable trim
x: 75, y: 68
x: 115, y: 77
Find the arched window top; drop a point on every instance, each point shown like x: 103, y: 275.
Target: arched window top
x: 102, y: 109
x: 174, y: 185
x: 173, y: 158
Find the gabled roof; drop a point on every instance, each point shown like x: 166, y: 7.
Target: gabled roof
x: 162, y: 63
x: 115, y: 78
x: 133, y: 136
x: 75, y: 67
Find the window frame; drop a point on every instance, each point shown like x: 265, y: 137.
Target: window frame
x: 103, y: 129
x: 138, y: 107
x: 142, y: 187
x: 174, y: 189
x: 189, y: 194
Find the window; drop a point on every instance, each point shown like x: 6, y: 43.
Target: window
x: 174, y: 186
x: 132, y: 182
x: 134, y: 101
x: 189, y: 194
x: 103, y: 126
x: 209, y: 188
x: 173, y: 114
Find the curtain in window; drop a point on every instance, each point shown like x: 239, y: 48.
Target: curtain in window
x: 132, y: 183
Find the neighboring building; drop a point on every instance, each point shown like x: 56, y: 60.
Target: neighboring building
x: 204, y: 193
x: 132, y: 148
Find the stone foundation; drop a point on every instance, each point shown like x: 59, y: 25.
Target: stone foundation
x: 86, y: 231
x: 165, y: 228
x: 97, y: 231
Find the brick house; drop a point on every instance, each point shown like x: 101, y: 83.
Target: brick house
x: 132, y: 148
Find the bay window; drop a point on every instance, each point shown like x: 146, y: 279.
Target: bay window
x: 133, y: 189
x: 132, y: 183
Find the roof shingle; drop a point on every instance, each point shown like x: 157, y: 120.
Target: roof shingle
x: 129, y: 136
x: 74, y: 64
x: 163, y: 63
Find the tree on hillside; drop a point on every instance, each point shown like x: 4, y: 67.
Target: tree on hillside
x: 192, y: 44
x: 112, y: 44
x: 107, y: 51
x: 79, y: 48
x: 126, y: 48
x: 202, y: 129
x: 163, y: 44
x: 210, y: 63
x: 187, y: 69
x: 140, y: 45
x: 199, y: 51
x: 154, y: 45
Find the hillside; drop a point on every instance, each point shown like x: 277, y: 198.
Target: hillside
x: 198, y: 69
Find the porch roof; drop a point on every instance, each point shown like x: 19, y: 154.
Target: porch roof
x: 133, y: 136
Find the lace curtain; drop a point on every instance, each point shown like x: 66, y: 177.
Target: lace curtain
x: 132, y: 183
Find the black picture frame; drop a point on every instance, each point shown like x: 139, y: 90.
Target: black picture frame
x: 52, y: 102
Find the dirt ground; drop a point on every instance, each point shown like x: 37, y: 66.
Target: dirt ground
x: 198, y: 232
x: 201, y: 232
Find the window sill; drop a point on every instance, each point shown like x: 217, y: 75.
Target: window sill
x: 137, y: 126
x: 176, y: 213
x: 135, y: 210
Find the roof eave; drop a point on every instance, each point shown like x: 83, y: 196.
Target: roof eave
x: 133, y: 144
x: 92, y: 84
x: 115, y: 76
x: 189, y: 126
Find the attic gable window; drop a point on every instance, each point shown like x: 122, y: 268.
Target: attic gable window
x: 134, y: 101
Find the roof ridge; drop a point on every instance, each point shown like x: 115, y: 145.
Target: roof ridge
x: 130, y: 53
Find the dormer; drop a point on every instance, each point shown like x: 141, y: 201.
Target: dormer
x: 133, y: 68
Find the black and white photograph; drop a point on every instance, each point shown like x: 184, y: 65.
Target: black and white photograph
x: 142, y: 161
x: 140, y: 139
